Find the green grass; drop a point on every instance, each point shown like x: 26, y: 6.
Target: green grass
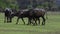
x: 52, y: 26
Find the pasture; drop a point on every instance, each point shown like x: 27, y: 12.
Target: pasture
x: 52, y: 26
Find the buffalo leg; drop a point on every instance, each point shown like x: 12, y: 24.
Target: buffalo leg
x: 29, y: 21
x: 17, y: 20
x: 38, y: 21
x: 43, y: 23
x: 7, y: 19
x: 35, y: 23
x: 23, y: 21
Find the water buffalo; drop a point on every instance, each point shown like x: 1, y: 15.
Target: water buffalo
x: 22, y: 14
x: 7, y: 14
x: 36, y: 14
x: 40, y: 13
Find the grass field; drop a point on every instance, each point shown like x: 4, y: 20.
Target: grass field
x: 52, y: 26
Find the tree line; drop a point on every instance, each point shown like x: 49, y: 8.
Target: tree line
x: 50, y: 4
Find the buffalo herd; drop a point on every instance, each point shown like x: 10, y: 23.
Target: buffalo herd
x: 32, y: 14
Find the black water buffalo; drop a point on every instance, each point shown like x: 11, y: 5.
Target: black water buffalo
x: 40, y: 13
x: 22, y: 14
x: 7, y: 13
x: 36, y: 14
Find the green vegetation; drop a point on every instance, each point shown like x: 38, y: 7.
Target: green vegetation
x: 52, y: 26
x: 13, y: 4
x: 8, y: 3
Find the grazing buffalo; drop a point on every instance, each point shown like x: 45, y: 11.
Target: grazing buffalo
x: 8, y: 13
x: 35, y: 14
x: 22, y: 14
x: 39, y: 13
